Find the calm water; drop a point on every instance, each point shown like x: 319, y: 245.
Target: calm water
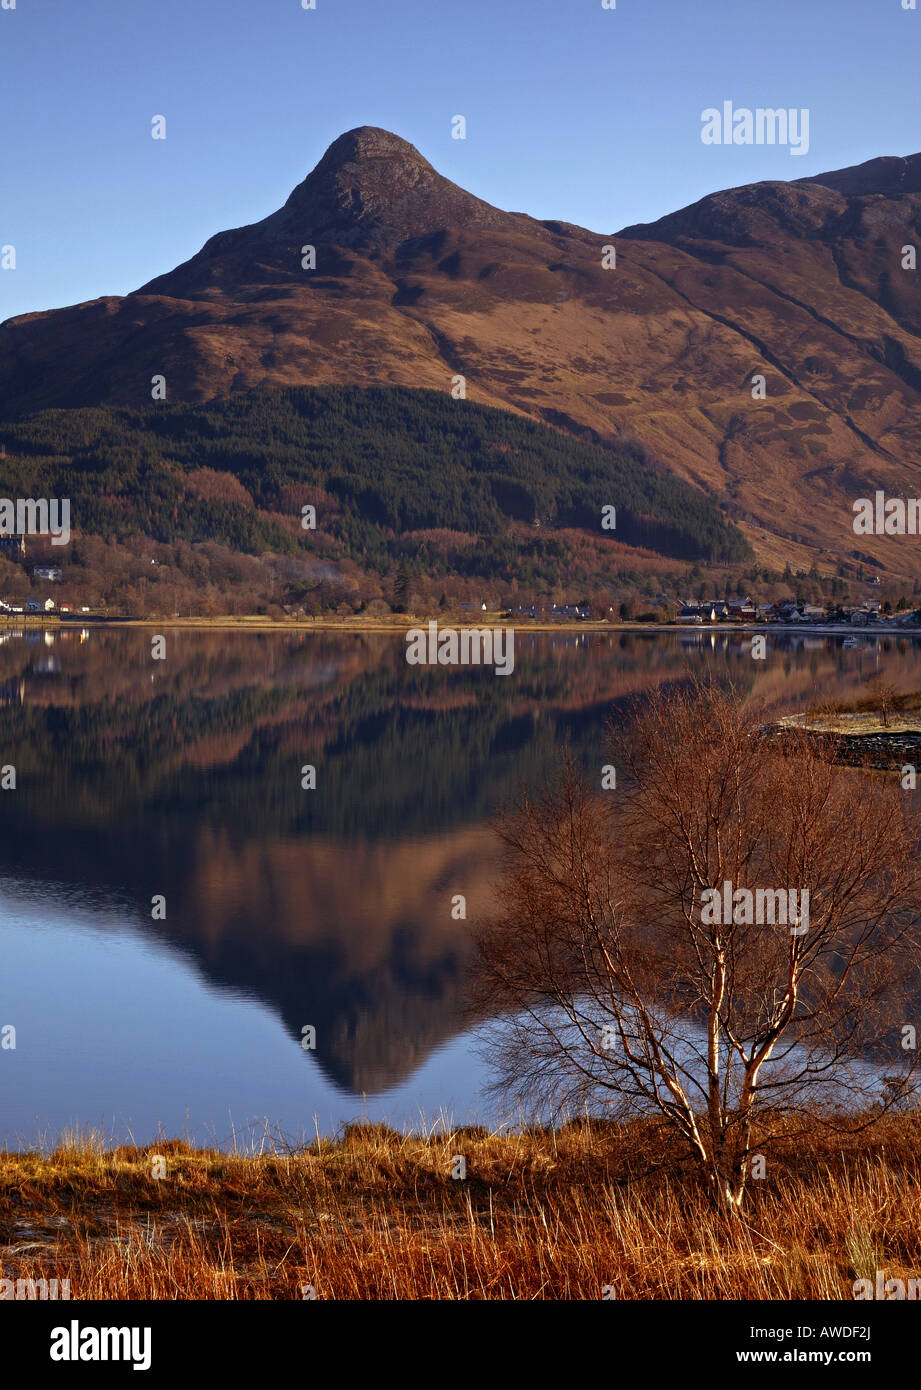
x: 284, y: 907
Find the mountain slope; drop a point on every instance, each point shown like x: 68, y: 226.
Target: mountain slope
x: 399, y: 479
x: 417, y: 282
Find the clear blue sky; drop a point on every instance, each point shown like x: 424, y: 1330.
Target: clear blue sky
x: 573, y: 111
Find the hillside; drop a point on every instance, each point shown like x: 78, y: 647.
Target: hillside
x: 417, y: 281
x: 405, y: 483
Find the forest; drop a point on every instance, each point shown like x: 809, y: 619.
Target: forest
x: 399, y: 479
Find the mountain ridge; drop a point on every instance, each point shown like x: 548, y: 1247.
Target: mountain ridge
x: 419, y: 283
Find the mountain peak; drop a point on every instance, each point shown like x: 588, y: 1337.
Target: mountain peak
x: 374, y: 189
x: 368, y: 142
x: 370, y: 192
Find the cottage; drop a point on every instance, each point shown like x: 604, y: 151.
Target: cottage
x: 39, y: 605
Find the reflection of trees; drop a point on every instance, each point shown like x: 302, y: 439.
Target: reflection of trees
x: 327, y: 902
x: 214, y: 733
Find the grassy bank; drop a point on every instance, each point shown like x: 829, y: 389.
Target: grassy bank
x: 377, y: 1215
x: 883, y: 710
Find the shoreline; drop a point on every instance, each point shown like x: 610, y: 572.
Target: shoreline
x: 366, y: 626
x: 372, y: 1213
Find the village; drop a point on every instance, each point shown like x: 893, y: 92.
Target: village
x: 744, y: 611
x: 36, y: 607
x: 787, y: 611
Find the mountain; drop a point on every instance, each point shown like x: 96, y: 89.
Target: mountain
x: 418, y: 282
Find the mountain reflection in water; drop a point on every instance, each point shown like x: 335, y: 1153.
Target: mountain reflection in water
x: 330, y: 907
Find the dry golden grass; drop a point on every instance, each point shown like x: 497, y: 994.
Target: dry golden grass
x: 541, y: 1214
x: 882, y: 710
x: 852, y: 725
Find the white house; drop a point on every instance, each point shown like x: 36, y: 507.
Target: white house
x: 39, y: 605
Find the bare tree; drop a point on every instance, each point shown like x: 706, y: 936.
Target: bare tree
x: 729, y: 934
x: 886, y: 698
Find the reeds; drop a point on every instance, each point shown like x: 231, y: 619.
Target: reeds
x: 541, y: 1214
